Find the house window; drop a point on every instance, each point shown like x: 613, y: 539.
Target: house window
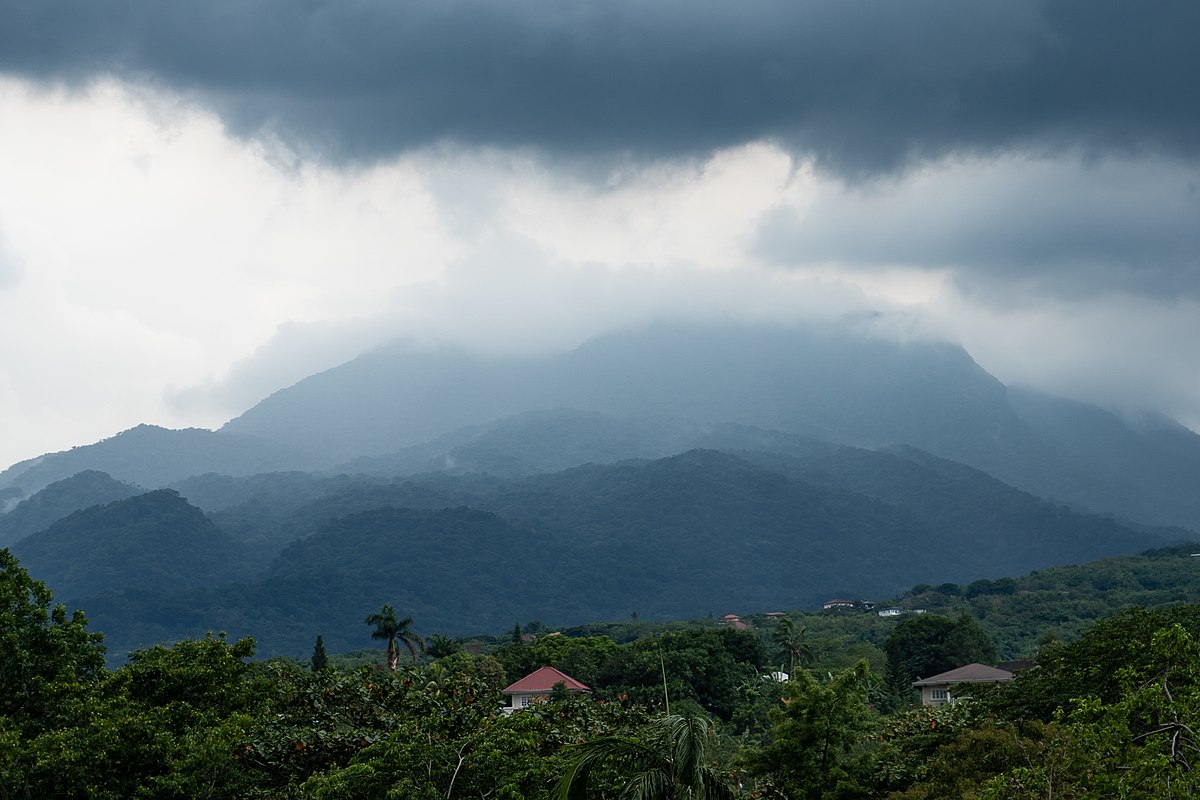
x: 528, y: 700
x: 940, y: 694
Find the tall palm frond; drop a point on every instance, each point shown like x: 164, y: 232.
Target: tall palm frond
x: 666, y: 762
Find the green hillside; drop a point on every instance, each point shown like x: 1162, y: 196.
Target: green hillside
x: 680, y: 537
x: 59, y: 499
x: 153, y: 543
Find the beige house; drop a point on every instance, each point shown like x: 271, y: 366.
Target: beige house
x: 936, y: 689
x: 537, y: 686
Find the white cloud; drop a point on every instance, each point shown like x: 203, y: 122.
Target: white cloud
x: 1127, y: 353
x: 10, y: 268
x: 156, y: 251
x: 694, y: 212
x: 155, y: 269
x: 543, y: 261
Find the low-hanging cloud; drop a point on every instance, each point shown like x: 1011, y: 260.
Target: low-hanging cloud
x: 508, y: 295
x: 863, y: 87
x: 1011, y: 227
x: 1127, y: 353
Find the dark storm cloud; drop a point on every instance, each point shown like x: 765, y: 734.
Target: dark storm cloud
x: 864, y: 86
x: 1067, y: 228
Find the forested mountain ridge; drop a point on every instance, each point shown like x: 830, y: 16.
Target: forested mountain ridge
x: 675, y: 537
x: 534, y: 442
x: 837, y: 385
x: 961, y: 501
x: 829, y: 384
x: 153, y: 543
x: 59, y: 499
x: 1143, y: 467
x: 951, y: 502
x: 660, y: 391
x: 151, y: 456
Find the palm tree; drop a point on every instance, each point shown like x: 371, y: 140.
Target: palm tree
x: 388, y: 626
x: 794, y: 643
x: 667, y: 762
x: 439, y: 645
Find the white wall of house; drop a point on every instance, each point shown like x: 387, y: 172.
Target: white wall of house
x: 936, y: 695
x: 519, y: 700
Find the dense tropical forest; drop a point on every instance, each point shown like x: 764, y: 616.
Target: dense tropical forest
x: 280, y: 555
x: 791, y: 705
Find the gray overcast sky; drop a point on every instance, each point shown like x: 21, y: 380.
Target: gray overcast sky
x: 203, y: 202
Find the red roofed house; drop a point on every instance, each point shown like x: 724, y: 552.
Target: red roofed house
x: 537, y: 686
x: 935, y: 690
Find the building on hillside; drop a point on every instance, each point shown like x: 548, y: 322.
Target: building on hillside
x: 829, y: 605
x: 889, y: 612
x: 537, y: 687
x: 936, y: 689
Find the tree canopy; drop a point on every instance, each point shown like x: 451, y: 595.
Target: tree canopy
x: 929, y: 644
x: 46, y: 656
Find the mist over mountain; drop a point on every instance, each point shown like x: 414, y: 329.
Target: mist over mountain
x: 661, y: 389
x: 1147, y: 469
x: 822, y: 383
x: 533, y: 442
x: 150, y: 456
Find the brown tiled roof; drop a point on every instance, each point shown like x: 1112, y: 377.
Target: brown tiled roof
x: 971, y: 673
x: 544, y: 680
